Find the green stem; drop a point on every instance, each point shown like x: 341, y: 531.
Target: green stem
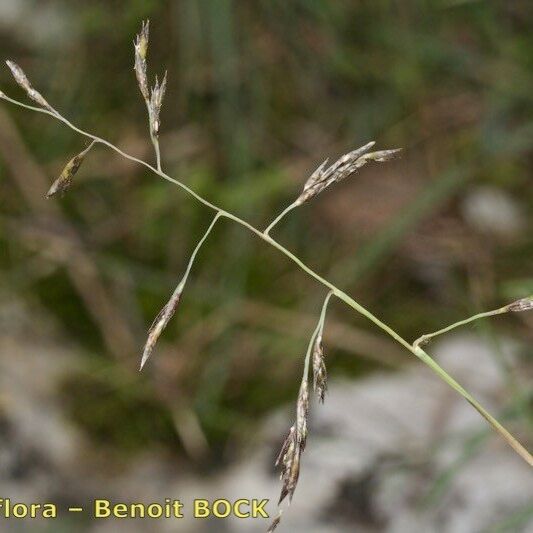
x: 415, y: 350
x: 183, y: 281
x: 424, y: 338
x: 280, y: 216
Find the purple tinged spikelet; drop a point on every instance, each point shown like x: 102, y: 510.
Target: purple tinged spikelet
x: 346, y: 165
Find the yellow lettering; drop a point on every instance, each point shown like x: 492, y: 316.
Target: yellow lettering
x: 154, y: 510
x: 216, y: 508
x: 237, y: 509
x: 201, y: 509
x: 20, y: 510
x: 49, y: 510
x: 101, y: 508
x: 120, y: 510
x: 137, y: 507
x: 257, y: 508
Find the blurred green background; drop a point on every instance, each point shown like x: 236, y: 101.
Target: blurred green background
x: 259, y: 93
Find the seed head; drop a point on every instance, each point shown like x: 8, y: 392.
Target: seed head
x: 159, y: 324
x: 524, y: 304
x: 320, y: 375
x: 346, y: 165
x: 63, y: 183
x: 289, y: 460
x: 22, y: 80
x: 141, y: 49
x: 156, y: 102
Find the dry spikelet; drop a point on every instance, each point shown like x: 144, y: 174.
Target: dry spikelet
x: 275, y: 522
x: 289, y: 461
x: 159, y: 324
x: 346, y: 165
x: 141, y: 50
x: 63, y: 183
x: 293, y: 446
x: 302, y: 413
x: 22, y: 80
x: 524, y: 304
x: 320, y: 375
x: 156, y: 102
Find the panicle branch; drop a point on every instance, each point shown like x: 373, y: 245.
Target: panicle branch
x: 153, y: 98
x: 22, y: 80
x: 518, y: 306
x: 167, y: 312
x: 289, y: 457
x: 324, y: 176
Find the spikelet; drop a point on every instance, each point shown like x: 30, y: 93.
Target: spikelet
x: 320, y: 375
x: 141, y: 49
x: 346, y: 165
x: 160, y: 323
x: 22, y: 80
x: 524, y: 304
x: 275, y: 523
x: 64, y: 181
x: 293, y: 446
x: 302, y: 414
x: 156, y: 102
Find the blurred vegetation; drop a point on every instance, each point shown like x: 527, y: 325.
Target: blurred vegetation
x: 259, y: 94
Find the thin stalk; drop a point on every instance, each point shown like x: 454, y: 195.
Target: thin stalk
x: 318, y: 331
x: 168, y: 310
x: 183, y: 281
x: 279, y: 217
x: 415, y: 350
x: 425, y: 338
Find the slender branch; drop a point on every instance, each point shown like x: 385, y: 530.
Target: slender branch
x: 425, y: 338
x: 318, y: 331
x: 280, y: 216
x: 417, y: 351
x: 161, y: 320
x: 183, y: 281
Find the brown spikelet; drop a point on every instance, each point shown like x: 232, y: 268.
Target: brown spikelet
x: 141, y: 49
x: 524, y: 304
x: 159, y: 324
x: 302, y: 414
x: 320, y: 375
x: 288, y: 458
x: 290, y: 465
x: 156, y: 102
x: 275, y: 522
x: 64, y: 181
x: 294, y: 445
x: 22, y: 80
x: 346, y: 165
